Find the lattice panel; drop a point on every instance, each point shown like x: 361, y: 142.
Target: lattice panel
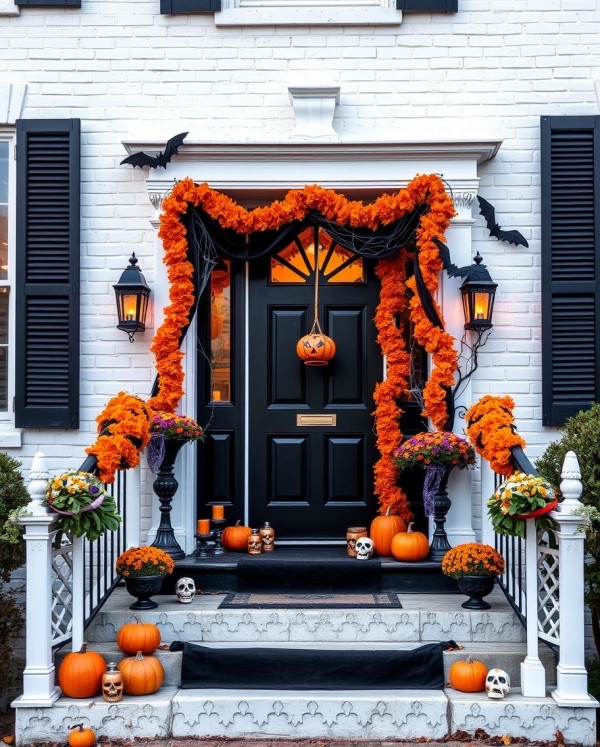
x: 62, y: 593
x: 548, y: 594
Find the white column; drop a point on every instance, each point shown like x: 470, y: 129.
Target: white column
x: 488, y: 487
x: 78, y: 619
x: 533, y: 674
x: 132, y: 478
x: 39, y: 690
x: 459, y: 524
x: 571, y: 674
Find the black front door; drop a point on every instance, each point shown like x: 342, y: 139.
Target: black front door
x: 311, y: 442
x: 288, y: 443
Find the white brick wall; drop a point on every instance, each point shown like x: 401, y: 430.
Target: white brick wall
x: 491, y: 70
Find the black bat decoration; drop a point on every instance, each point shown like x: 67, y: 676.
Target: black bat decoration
x: 162, y: 159
x: 488, y: 212
x: 452, y: 270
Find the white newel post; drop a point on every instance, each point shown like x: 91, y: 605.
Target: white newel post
x: 571, y: 674
x: 533, y: 674
x: 132, y: 478
x: 39, y: 689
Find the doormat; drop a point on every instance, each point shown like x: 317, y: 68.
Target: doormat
x: 263, y: 601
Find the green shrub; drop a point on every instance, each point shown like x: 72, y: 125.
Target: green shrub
x: 13, y: 499
x: 581, y: 434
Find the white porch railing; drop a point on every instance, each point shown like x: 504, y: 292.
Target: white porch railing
x: 544, y: 583
x: 68, y: 584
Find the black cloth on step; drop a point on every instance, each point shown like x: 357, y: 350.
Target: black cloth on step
x: 268, y: 572
x: 312, y: 669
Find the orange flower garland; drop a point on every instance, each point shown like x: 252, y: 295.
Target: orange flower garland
x: 491, y: 430
x: 115, y: 450
x: 392, y: 302
x: 124, y: 427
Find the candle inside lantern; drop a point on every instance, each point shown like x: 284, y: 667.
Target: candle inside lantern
x: 216, y: 396
x: 203, y: 526
x: 218, y: 512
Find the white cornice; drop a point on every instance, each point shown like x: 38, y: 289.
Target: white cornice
x: 477, y: 150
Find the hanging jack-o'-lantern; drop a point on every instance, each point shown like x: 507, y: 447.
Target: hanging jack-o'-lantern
x: 315, y: 348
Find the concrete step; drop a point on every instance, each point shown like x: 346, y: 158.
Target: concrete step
x: 507, y: 656
x: 423, y: 617
x: 262, y: 714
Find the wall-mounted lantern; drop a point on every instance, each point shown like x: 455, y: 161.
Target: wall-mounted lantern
x: 478, y: 291
x: 132, y: 294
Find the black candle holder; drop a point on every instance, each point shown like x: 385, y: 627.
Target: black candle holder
x: 219, y: 525
x: 202, y: 548
x: 441, y: 505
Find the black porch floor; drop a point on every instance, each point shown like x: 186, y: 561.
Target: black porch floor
x: 309, y: 565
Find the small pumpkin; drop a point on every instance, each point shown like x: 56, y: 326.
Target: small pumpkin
x: 410, y: 546
x: 81, y: 737
x: 236, y: 538
x: 142, y: 675
x: 468, y: 675
x: 80, y: 673
x: 138, y: 636
x: 315, y: 349
x: 383, y: 529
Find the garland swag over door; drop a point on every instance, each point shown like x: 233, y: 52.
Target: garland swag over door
x: 570, y: 171
x: 47, y: 274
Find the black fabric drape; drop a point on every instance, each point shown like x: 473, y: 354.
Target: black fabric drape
x: 321, y: 668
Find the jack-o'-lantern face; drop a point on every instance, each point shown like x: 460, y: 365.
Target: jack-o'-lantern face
x: 315, y: 349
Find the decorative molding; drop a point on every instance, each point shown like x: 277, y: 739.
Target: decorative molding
x: 463, y: 199
x: 12, y: 95
x: 156, y: 198
x: 8, y: 8
x: 303, y: 12
x: 314, y: 107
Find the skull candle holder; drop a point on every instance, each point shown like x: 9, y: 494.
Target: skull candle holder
x: 352, y: 535
x: 185, y: 590
x: 497, y: 683
x: 112, y: 684
x: 267, y: 534
x: 255, y: 543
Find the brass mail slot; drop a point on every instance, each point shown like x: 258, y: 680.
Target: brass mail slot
x: 316, y: 420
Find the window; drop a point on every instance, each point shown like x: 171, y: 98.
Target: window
x: 6, y: 272
x: 220, y: 332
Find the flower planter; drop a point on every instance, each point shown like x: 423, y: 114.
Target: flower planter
x: 143, y: 587
x: 476, y: 587
x: 540, y: 511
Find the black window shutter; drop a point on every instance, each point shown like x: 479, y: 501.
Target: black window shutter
x: 570, y: 174
x: 425, y: 6
x: 47, y: 274
x: 48, y: 3
x: 171, y: 7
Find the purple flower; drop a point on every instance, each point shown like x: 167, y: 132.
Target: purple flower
x: 93, y: 489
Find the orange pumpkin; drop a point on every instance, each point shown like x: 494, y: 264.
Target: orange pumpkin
x: 383, y: 529
x: 80, y: 673
x: 142, y: 675
x: 315, y: 349
x: 236, y: 538
x: 468, y: 676
x: 81, y: 737
x: 138, y: 636
x: 410, y: 546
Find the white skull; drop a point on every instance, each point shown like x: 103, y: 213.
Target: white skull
x: 185, y: 590
x: 364, y: 548
x: 497, y: 683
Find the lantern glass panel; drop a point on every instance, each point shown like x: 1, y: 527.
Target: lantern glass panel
x: 482, y: 305
x: 129, y: 304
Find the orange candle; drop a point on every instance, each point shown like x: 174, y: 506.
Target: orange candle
x: 218, y: 512
x: 203, y: 526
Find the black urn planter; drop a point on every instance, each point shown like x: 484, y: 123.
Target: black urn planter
x: 476, y: 587
x: 165, y: 486
x: 143, y: 587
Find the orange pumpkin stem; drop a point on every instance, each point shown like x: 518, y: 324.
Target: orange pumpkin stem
x: 410, y: 527
x: 139, y: 656
x: 389, y: 511
x: 83, y: 649
x: 77, y: 725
